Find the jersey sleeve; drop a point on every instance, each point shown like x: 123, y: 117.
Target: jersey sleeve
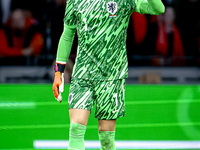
x: 153, y: 7
x: 70, y: 14
x: 66, y: 39
x: 65, y: 45
x: 135, y: 5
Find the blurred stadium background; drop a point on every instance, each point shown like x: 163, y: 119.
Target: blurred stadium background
x: 162, y: 92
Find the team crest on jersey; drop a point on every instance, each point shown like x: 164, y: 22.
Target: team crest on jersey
x: 112, y: 8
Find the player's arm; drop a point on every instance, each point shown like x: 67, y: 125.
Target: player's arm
x: 153, y: 7
x: 65, y: 44
x: 64, y: 49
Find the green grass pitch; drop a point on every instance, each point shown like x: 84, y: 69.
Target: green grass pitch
x: 29, y: 112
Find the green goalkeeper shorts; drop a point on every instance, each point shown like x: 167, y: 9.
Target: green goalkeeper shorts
x: 108, y: 96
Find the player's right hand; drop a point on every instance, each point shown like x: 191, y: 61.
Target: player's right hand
x: 58, y: 85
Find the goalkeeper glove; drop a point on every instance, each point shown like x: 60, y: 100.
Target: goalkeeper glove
x: 58, y: 84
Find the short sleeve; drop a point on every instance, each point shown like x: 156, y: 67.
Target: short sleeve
x: 70, y: 15
x: 136, y: 5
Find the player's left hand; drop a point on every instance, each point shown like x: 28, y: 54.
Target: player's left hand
x: 58, y: 86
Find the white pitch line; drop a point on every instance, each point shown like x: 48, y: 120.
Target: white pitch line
x: 17, y: 105
x: 34, y: 104
x: 52, y: 144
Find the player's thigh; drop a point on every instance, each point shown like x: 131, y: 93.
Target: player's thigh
x: 106, y: 125
x: 110, y: 99
x: 80, y: 101
x: 79, y: 116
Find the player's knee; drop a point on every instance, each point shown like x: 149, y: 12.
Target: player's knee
x: 107, y: 139
x: 106, y: 125
x: 75, y: 128
x: 106, y: 128
x: 79, y: 121
x: 79, y: 116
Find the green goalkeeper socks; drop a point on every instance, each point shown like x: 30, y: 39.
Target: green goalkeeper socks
x: 76, y: 136
x: 107, y: 139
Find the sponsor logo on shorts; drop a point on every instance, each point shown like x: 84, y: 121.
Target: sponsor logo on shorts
x: 70, y: 98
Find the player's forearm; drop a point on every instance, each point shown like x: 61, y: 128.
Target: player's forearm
x: 65, y: 44
x: 153, y: 7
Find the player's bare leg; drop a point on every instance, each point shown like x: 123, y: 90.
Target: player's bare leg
x: 79, y: 116
x: 107, y: 134
x: 78, y: 123
x: 106, y: 125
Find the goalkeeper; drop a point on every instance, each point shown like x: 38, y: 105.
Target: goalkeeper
x: 101, y: 64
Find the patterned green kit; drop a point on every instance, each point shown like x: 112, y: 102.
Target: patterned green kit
x: 101, y: 27
x: 107, y: 95
x: 101, y: 63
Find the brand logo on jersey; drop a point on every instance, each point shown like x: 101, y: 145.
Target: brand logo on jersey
x: 112, y: 8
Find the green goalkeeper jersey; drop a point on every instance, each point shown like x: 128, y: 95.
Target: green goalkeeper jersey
x: 101, y: 26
